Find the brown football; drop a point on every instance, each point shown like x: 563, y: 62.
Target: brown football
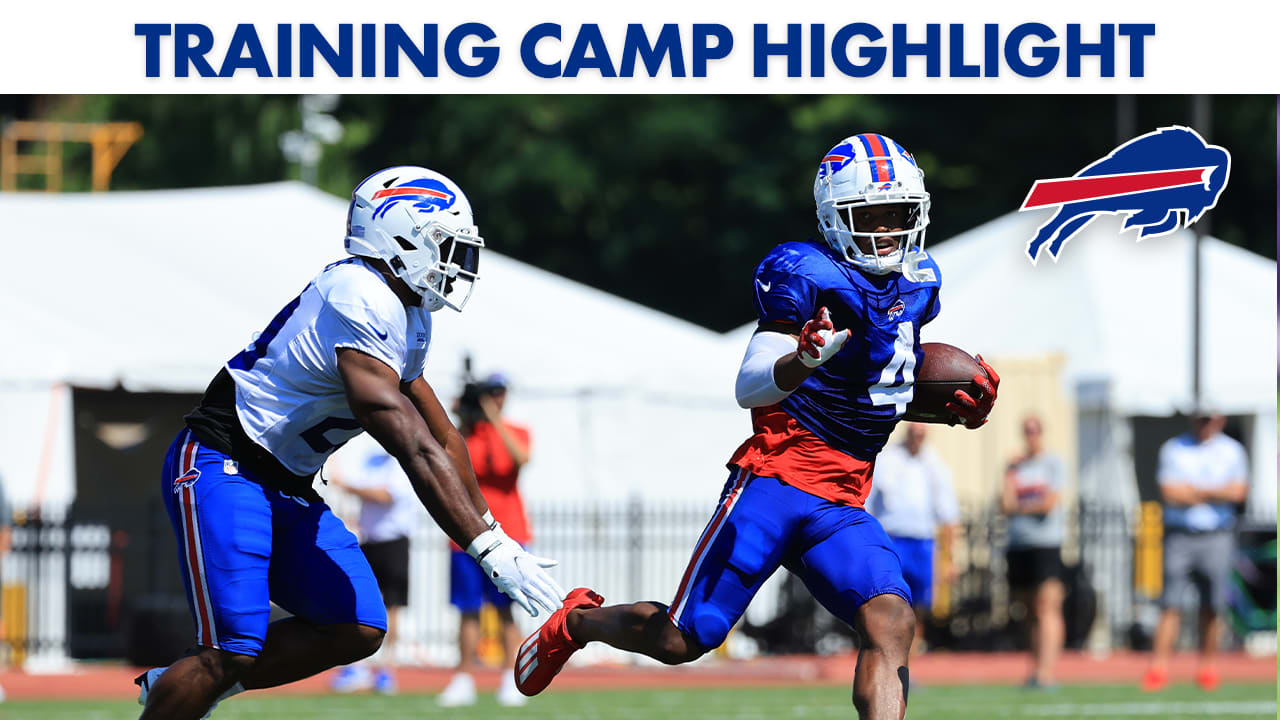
x: 945, y: 369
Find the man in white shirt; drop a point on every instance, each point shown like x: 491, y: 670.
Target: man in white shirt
x: 388, y: 511
x: 1204, y: 477
x: 913, y: 498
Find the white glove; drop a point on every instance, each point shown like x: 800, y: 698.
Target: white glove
x: 819, y: 340
x: 517, y: 572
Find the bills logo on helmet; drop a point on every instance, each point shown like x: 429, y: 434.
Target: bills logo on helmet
x: 186, y: 479
x: 1161, y: 180
x: 426, y: 194
x: 896, y: 309
x: 835, y: 160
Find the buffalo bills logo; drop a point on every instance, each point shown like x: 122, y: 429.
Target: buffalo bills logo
x: 835, y: 160
x: 896, y: 309
x: 186, y: 479
x: 426, y: 194
x: 1161, y: 180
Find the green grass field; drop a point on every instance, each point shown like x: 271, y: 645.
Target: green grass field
x: 954, y: 703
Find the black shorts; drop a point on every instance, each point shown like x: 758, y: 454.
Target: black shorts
x: 1028, y: 567
x: 390, y: 563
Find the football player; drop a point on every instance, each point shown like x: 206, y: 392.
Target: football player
x: 823, y: 402
x: 345, y: 356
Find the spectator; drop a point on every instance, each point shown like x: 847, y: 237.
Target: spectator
x: 1031, y: 498
x: 498, y: 450
x: 1203, y: 476
x: 913, y: 498
x: 387, y: 513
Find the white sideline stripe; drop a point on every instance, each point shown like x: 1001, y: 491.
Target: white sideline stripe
x: 1205, y: 709
x: 529, y: 669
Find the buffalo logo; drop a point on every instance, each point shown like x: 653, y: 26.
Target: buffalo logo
x: 186, y: 480
x: 1160, y: 180
x: 896, y: 309
x: 426, y: 194
x: 835, y: 160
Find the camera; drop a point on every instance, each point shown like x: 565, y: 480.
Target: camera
x: 474, y: 390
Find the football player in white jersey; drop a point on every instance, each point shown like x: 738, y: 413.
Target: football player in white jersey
x: 343, y: 357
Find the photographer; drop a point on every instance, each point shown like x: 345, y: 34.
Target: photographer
x: 498, y: 450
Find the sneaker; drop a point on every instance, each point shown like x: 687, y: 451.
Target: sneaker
x: 352, y: 678
x: 1207, y: 678
x: 508, y: 694
x: 1155, y: 679
x: 147, y: 679
x: 385, y: 683
x: 1033, y: 683
x: 460, y: 691
x: 545, y: 652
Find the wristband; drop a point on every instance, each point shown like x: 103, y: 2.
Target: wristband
x: 488, y: 519
x: 484, y: 544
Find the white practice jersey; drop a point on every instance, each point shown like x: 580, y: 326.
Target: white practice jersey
x: 289, y: 395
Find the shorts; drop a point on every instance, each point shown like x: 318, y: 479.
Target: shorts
x: 1029, y: 567
x: 1197, y: 564
x: 242, y: 547
x: 840, y: 552
x: 469, y: 588
x: 389, y: 560
x: 917, y: 567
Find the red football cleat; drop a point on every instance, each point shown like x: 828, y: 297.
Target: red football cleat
x: 1207, y: 678
x: 545, y: 652
x: 1155, y: 679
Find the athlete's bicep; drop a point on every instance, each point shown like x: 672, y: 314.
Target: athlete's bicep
x: 373, y: 393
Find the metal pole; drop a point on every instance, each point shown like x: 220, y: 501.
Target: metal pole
x: 1202, y: 120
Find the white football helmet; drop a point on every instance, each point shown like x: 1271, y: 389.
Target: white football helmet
x: 871, y: 169
x: 418, y: 222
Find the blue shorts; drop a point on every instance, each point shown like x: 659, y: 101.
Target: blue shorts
x: 917, y: 567
x: 468, y: 586
x: 242, y: 546
x: 839, y: 551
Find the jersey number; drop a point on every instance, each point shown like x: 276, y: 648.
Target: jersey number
x: 314, y: 435
x: 889, y: 391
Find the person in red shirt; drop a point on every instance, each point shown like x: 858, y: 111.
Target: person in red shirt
x: 498, y: 450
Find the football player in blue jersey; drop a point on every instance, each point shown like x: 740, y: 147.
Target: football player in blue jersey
x: 343, y: 357
x: 823, y: 402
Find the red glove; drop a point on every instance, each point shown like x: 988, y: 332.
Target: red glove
x: 819, y: 341
x: 973, y: 412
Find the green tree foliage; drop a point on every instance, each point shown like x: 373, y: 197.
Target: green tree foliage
x: 671, y: 200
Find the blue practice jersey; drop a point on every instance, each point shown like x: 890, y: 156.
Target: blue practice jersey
x: 854, y: 400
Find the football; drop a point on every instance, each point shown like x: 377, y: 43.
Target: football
x: 945, y: 369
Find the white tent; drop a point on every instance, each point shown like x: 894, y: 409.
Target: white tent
x: 153, y: 291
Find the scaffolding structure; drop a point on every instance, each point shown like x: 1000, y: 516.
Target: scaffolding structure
x: 109, y: 142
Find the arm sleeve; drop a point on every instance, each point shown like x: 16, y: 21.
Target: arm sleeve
x: 755, y: 386
x: 783, y: 296
x: 360, y: 327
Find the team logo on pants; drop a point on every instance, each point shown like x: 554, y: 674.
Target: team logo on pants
x: 186, y: 479
x: 1160, y: 180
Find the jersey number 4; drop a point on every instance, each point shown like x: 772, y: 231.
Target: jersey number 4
x: 891, y: 391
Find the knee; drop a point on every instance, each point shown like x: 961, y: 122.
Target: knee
x: 361, y: 641
x: 673, y: 647
x: 223, y: 667
x: 889, y: 623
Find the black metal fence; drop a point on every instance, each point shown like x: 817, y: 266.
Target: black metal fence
x: 64, y: 595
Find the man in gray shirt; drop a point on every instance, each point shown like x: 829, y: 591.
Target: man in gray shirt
x: 1032, y: 488
x: 1203, y: 476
